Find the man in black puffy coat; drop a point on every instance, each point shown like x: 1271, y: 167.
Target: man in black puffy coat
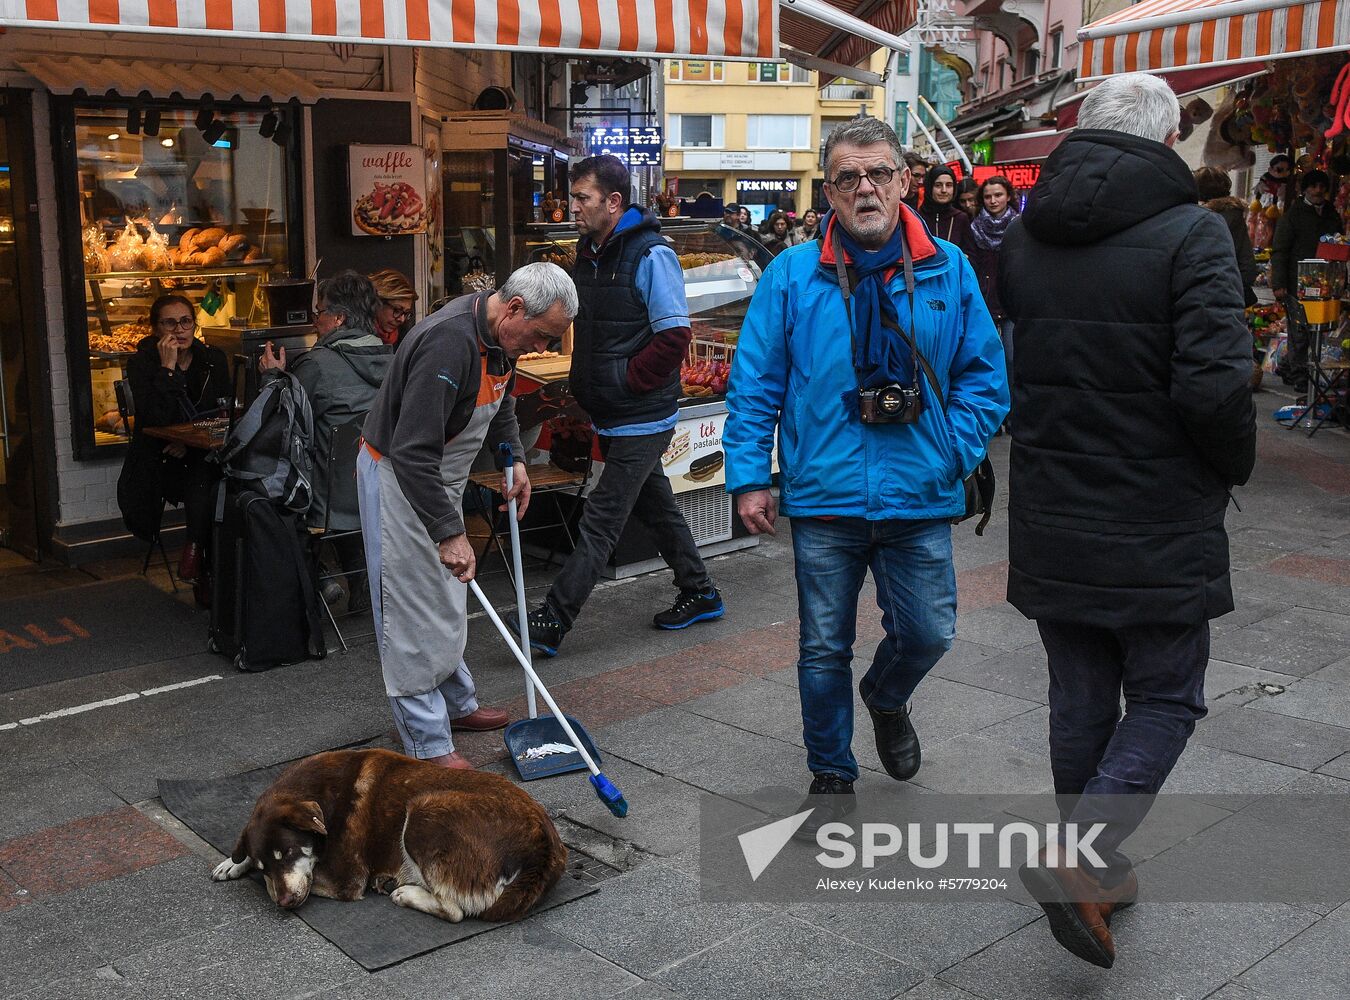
x: 1135, y: 418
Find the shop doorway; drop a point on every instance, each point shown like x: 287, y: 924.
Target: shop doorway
x: 24, y: 523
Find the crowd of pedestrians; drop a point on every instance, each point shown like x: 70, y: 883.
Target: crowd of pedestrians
x: 881, y: 338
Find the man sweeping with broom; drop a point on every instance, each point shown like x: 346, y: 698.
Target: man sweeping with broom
x: 448, y: 392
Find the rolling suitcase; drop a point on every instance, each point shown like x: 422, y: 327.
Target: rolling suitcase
x: 264, y: 602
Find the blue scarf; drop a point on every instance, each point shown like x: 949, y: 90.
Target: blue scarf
x: 880, y: 356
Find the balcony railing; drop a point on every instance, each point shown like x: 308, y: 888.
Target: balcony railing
x: 846, y: 92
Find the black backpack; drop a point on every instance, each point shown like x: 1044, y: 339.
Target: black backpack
x: 268, y: 450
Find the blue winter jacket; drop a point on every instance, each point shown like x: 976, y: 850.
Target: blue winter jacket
x: 794, y: 362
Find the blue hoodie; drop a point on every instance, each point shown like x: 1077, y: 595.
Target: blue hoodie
x: 794, y: 363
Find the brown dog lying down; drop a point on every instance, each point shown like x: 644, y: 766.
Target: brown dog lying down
x: 450, y: 843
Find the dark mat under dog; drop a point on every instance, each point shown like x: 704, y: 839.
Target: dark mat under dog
x: 78, y: 631
x: 372, y: 931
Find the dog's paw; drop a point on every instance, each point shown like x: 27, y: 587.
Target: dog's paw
x: 228, y: 870
x: 405, y: 895
x: 383, y: 884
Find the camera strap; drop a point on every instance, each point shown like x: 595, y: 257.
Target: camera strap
x: 845, y: 286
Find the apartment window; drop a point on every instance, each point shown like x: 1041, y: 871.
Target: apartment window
x: 1031, y: 62
x: 696, y: 71
x: 1056, y: 47
x: 902, y: 121
x: 1003, y: 77
x: 782, y: 72
x: 778, y: 131
x: 695, y: 131
x: 902, y: 63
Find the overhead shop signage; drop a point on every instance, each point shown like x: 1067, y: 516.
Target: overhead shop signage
x: 637, y: 146
x: 1022, y: 175
x: 786, y: 185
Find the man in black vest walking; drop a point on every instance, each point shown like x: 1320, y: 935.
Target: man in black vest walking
x: 630, y: 337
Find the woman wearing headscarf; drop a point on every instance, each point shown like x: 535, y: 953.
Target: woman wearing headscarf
x: 940, y: 211
x: 998, y: 208
x: 968, y: 196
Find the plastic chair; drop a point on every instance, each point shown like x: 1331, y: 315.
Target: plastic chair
x: 342, y: 452
x: 126, y: 409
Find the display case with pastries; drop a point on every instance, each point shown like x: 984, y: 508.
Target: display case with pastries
x: 721, y: 267
x: 169, y: 214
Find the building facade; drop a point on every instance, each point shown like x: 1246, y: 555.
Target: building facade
x: 752, y: 133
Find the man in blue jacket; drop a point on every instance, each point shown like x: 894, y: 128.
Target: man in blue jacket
x: 872, y: 458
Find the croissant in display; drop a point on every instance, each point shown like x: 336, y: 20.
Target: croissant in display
x: 185, y: 241
x: 209, y: 238
x: 232, y: 242
x: 211, y: 257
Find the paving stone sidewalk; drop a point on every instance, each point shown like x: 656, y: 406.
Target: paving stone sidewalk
x: 104, y: 895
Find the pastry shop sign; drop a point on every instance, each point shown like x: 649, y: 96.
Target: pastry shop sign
x: 695, y: 458
x: 388, y: 190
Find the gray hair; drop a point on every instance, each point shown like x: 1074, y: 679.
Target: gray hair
x: 864, y: 131
x: 353, y: 295
x: 540, y: 285
x: 1133, y: 103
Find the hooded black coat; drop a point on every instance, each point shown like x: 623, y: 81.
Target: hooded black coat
x: 1130, y: 385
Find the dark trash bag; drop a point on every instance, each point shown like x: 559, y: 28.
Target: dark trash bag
x: 264, y: 604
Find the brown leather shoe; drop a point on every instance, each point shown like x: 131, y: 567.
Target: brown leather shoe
x: 451, y: 760
x: 1079, y: 908
x: 482, y: 720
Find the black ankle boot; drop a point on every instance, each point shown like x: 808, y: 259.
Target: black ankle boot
x: 897, y: 743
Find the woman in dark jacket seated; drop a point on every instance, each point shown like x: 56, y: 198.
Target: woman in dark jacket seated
x: 174, y: 378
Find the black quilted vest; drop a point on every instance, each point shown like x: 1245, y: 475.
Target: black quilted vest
x: 612, y: 326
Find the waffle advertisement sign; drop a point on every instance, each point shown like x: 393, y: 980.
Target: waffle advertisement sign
x: 388, y: 190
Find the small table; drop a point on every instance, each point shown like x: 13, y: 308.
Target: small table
x: 204, y: 435
x: 1324, y: 379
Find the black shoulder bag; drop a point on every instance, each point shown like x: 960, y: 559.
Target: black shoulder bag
x: 980, y: 484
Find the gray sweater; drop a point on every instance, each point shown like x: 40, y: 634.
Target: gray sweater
x: 428, y: 398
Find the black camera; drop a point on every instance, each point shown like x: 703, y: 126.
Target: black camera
x: 890, y: 404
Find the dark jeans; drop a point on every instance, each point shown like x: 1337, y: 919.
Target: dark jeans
x: 191, y: 481
x: 1118, y: 762
x: 633, y: 482
x: 911, y: 563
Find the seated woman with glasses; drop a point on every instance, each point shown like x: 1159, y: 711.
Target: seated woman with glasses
x: 394, y: 315
x: 175, y: 378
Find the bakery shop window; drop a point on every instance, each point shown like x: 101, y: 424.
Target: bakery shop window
x: 197, y: 202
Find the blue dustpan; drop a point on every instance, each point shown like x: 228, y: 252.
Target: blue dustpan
x: 540, y: 748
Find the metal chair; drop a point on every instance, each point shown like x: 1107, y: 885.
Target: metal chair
x: 126, y: 409
x: 342, y: 452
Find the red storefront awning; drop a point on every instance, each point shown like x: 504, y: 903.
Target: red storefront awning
x: 1157, y: 35
x: 746, y: 29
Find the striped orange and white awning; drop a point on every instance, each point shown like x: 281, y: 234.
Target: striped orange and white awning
x: 654, y: 28
x: 1158, y: 35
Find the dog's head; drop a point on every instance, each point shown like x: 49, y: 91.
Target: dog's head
x: 284, y: 838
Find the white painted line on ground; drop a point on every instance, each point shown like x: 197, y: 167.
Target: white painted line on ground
x: 182, y: 684
x: 62, y: 713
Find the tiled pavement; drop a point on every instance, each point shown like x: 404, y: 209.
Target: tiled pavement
x: 102, y: 894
